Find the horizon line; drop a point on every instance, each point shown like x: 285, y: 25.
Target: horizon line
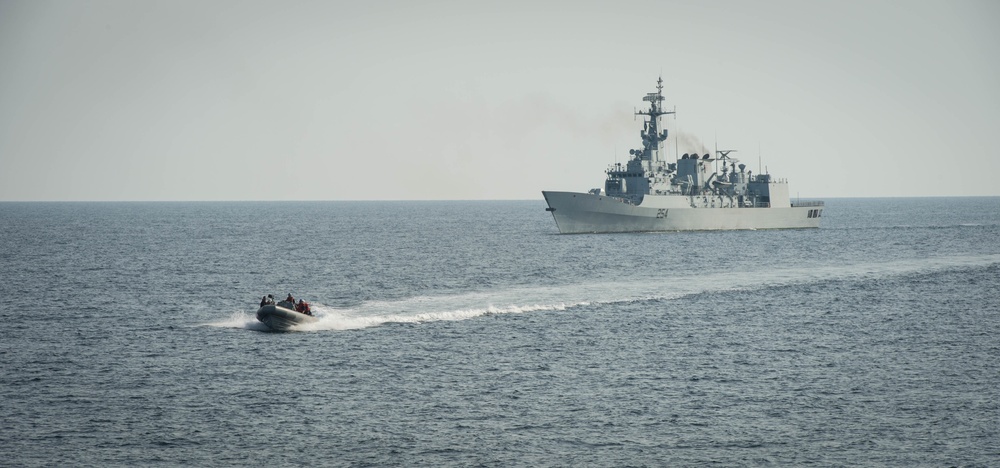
x: 431, y: 199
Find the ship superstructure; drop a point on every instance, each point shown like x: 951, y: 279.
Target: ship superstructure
x: 694, y: 192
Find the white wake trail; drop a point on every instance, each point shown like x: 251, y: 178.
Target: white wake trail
x: 421, y: 309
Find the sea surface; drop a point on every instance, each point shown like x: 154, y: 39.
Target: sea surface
x: 472, y: 334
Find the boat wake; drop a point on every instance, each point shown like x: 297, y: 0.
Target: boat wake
x: 422, y: 309
x: 247, y: 320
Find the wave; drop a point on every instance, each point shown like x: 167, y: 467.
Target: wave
x: 240, y: 320
x: 434, y: 310
x: 421, y: 309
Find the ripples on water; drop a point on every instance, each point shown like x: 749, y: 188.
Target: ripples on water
x: 468, y: 333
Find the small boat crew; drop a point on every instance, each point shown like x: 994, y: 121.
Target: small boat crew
x: 285, y: 314
x: 303, y: 307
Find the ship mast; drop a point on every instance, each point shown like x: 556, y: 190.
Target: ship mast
x: 652, y: 137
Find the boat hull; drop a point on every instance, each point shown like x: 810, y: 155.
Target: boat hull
x: 281, y: 319
x: 577, y: 213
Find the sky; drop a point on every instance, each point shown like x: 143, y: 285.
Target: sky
x: 178, y: 100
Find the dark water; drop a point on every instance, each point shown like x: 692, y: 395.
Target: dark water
x: 469, y: 333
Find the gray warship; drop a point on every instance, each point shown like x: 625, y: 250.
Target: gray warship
x: 695, y: 192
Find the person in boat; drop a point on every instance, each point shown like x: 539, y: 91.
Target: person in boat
x: 303, y: 307
x: 266, y: 300
x: 290, y: 298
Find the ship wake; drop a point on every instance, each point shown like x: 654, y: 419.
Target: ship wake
x: 425, y: 309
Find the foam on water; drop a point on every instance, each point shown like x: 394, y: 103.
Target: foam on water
x: 422, y: 309
x: 240, y: 319
x: 434, y: 310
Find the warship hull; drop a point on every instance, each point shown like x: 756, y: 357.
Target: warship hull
x: 577, y: 213
x: 652, y: 192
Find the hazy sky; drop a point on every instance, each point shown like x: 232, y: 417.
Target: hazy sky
x: 294, y: 100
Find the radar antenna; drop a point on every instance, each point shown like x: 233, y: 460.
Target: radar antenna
x: 724, y: 154
x: 655, y: 102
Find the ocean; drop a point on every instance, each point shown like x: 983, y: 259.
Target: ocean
x: 472, y: 334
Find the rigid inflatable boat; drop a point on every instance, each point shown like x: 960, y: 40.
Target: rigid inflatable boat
x: 282, y: 316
